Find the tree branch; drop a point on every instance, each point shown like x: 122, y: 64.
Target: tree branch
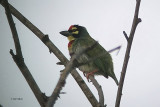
x: 100, y: 91
x: 18, y: 58
x: 126, y: 36
x: 13, y: 29
x: 136, y: 20
x: 57, y: 53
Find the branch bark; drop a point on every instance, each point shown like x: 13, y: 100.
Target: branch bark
x: 57, y: 53
x: 100, y: 91
x: 136, y: 20
x: 18, y: 58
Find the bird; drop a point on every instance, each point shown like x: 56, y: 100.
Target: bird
x: 79, y: 39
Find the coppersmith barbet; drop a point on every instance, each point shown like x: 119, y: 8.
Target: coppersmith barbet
x: 79, y: 39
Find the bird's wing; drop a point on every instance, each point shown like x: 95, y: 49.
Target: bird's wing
x: 103, y: 62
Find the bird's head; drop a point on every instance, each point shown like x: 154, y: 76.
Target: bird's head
x: 75, y: 32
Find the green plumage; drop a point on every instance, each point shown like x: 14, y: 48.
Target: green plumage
x: 103, y: 64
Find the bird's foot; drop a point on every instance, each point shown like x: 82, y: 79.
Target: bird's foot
x: 91, y: 73
x: 84, y: 73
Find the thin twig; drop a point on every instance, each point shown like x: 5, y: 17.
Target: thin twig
x: 61, y: 83
x: 126, y: 36
x: 18, y: 58
x: 136, y: 20
x: 57, y: 53
x: 99, y: 89
x: 114, y: 49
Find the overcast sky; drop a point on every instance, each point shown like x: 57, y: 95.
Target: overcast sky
x: 105, y: 20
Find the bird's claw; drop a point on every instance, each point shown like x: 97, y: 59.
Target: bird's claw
x: 84, y: 73
x: 88, y: 74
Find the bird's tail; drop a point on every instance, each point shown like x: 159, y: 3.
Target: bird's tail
x: 115, y: 79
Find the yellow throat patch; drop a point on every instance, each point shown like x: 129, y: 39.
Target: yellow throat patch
x: 70, y: 38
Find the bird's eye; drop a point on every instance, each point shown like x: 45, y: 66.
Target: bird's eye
x: 74, y: 30
x: 70, y: 31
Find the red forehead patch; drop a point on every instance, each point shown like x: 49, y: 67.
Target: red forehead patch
x: 70, y: 28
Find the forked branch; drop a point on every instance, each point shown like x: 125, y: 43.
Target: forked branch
x: 136, y: 20
x: 18, y: 58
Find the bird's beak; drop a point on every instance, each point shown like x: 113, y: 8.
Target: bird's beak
x: 65, y: 33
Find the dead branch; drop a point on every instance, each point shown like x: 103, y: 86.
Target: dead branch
x: 61, y: 83
x: 99, y: 89
x: 136, y: 20
x: 18, y: 58
x: 56, y: 51
x: 126, y: 36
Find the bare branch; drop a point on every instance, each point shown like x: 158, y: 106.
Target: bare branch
x: 13, y: 29
x: 126, y: 36
x: 18, y: 58
x: 136, y: 20
x: 99, y: 89
x: 60, y: 84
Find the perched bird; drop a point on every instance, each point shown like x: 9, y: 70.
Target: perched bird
x: 80, y: 39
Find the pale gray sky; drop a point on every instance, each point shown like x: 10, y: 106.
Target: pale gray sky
x: 105, y: 21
